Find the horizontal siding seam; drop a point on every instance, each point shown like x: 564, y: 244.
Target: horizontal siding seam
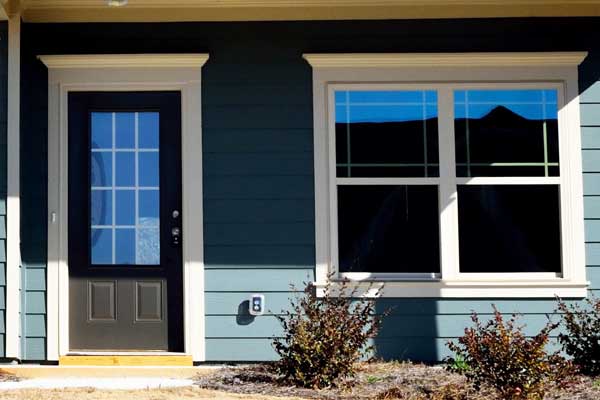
x: 219, y: 267
x: 253, y: 223
x: 209, y: 131
x: 261, y: 153
x: 238, y: 175
x: 259, y: 245
x: 259, y: 198
x: 245, y: 291
x: 376, y: 339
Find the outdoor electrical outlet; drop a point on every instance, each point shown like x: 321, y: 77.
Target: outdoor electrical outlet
x: 257, y: 304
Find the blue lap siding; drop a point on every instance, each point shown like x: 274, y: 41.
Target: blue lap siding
x: 258, y: 161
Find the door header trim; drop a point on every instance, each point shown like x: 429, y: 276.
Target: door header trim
x: 84, y: 61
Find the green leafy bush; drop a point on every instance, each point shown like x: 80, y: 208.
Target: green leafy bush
x: 581, y: 340
x: 324, y: 337
x: 500, y: 355
x: 457, y: 364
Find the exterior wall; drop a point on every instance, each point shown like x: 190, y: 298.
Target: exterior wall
x: 258, y: 168
x: 3, y: 119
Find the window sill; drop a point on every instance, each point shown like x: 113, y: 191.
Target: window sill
x: 541, y: 288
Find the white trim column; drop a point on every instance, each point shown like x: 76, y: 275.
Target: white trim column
x: 13, y: 208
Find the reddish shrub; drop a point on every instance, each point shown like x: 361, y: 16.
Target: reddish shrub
x: 324, y: 337
x: 500, y: 355
x: 582, y: 337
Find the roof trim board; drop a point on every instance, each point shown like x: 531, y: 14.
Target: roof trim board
x: 279, y: 10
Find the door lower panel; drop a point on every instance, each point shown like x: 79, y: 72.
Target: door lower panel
x: 140, y: 327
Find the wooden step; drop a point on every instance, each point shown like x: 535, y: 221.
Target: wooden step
x: 166, y: 360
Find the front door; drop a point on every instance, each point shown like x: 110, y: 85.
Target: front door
x: 125, y: 261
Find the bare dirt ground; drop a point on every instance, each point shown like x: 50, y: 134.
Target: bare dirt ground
x: 381, y: 381
x: 154, y: 394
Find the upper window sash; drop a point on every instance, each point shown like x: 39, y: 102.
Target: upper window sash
x: 445, y: 146
x: 386, y: 133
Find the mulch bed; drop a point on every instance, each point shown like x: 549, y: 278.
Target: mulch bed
x: 378, y: 381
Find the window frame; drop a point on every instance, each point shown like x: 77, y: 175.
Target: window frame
x: 473, y: 71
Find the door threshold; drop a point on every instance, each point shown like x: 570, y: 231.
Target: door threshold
x: 125, y: 353
x: 127, y: 359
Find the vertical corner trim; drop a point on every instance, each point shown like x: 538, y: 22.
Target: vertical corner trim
x: 13, y: 211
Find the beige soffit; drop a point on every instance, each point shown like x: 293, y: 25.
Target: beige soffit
x: 256, y: 10
x: 124, y: 60
x: 553, y: 59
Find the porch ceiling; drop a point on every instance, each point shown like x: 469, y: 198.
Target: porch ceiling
x: 257, y: 10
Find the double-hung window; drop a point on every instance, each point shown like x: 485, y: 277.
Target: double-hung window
x: 460, y: 178
x: 387, y: 177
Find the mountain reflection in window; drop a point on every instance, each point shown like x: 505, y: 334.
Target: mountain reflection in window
x: 386, y: 134
x: 506, y: 132
x: 388, y: 229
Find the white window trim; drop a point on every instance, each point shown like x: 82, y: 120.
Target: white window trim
x: 122, y: 72
x: 445, y: 73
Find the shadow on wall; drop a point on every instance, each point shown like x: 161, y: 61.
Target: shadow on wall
x: 410, y: 332
x: 589, y: 71
x: 33, y: 200
x: 243, y: 316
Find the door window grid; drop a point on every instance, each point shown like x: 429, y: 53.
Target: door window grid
x: 146, y: 228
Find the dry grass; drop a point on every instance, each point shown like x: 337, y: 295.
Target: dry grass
x: 151, y: 394
x: 379, y: 381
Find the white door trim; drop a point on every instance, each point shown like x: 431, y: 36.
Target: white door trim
x: 180, y: 72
